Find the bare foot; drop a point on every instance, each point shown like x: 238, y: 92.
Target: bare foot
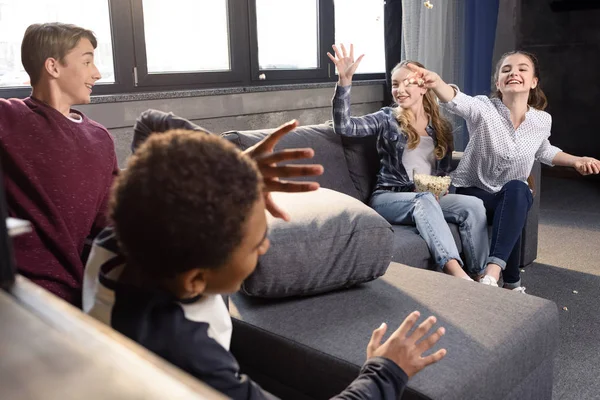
x: 453, y: 268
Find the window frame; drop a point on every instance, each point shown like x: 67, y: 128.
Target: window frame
x: 237, y: 53
x: 325, y: 37
x: 131, y: 70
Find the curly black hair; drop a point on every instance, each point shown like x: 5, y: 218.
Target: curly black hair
x: 182, y: 202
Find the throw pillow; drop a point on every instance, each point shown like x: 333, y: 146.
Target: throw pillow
x: 333, y: 241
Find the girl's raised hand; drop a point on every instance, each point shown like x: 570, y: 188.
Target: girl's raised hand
x: 345, y: 63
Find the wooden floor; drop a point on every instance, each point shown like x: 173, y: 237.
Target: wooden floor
x: 50, y: 350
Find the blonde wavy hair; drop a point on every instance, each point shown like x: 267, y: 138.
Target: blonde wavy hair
x: 443, y: 128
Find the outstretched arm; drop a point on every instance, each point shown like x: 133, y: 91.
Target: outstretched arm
x: 343, y: 123
x: 431, y: 80
x: 156, y: 121
x: 583, y: 165
x: 450, y: 97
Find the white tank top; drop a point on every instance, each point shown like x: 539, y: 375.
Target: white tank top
x: 421, y: 159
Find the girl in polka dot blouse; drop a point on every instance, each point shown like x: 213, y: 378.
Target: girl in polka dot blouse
x: 507, y: 134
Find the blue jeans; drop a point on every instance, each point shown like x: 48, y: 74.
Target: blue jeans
x: 507, y: 212
x: 431, y: 217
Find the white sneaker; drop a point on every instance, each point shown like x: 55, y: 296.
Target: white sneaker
x: 520, y: 289
x: 489, y: 280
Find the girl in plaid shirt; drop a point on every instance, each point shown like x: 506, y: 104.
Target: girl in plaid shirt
x: 413, y: 136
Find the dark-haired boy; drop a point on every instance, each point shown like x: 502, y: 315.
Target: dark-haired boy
x: 187, y: 238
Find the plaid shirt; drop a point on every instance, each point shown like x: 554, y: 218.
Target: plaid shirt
x: 391, y: 141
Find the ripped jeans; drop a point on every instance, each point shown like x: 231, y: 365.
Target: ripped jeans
x: 431, y: 217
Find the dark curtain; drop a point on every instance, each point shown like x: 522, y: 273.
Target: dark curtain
x: 481, y: 18
x: 392, y: 17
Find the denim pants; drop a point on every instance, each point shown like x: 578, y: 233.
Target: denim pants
x: 431, y: 217
x: 507, y: 212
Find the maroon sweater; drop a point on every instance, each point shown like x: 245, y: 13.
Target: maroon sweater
x: 58, y: 175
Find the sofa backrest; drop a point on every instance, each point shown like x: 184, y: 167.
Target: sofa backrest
x: 329, y: 152
x: 363, y: 163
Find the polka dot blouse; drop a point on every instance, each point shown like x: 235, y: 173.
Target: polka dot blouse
x: 497, y: 152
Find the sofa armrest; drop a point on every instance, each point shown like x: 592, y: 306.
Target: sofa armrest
x: 456, y: 157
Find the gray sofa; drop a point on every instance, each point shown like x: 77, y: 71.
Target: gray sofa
x: 500, y: 344
x: 351, y: 165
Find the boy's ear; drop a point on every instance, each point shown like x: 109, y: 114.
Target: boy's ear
x: 51, y: 67
x: 193, y: 282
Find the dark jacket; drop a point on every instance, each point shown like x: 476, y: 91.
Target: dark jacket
x: 192, y: 334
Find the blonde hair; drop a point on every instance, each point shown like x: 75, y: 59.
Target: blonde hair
x: 51, y: 40
x: 443, y: 128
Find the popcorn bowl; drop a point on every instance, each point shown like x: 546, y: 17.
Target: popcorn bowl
x: 438, y: 185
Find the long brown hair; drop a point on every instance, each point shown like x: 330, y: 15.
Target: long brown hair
x: 443, y: 128
x: 537, y: 99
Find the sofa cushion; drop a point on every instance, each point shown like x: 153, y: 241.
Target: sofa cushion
x: 328, y: 152
x: 332, y: 241
x: 313, y: 347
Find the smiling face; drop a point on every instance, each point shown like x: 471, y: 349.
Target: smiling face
x: 516, y: 75
x: 77, y: 73
x: 407, y: 95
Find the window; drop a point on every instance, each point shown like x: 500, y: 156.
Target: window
x: 174, y: 36
x: 189, y: 43
x: 287, y: 43
x: 146, y: 45
x: 360, y: 22
x: 289, y: 39
x: 17, y: 15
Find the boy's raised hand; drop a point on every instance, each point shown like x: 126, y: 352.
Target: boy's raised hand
x: 406, y: 351
x: 345, y: 64
x: 266, y: 160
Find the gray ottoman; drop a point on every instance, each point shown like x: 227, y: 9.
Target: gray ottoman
x: 500, y: 344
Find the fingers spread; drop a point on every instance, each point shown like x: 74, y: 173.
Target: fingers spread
x: 407, y: 324
x: 344, y: 53
x: 285, y: 155
x: 433, y: 358
x: 430, y: 341
x: 376, y: 337
x: 274, y: 209
x: 289, y: 171
x: 273, y: 185
x: 423, y: 328
x: 268, y: 143
x: 338, y: 54
x: 359, y: 59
